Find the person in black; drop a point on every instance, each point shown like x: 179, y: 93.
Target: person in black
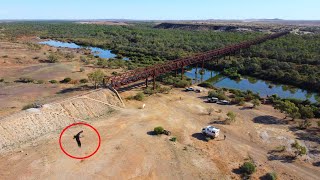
x: 77, y: 137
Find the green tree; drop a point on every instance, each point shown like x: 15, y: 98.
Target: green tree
x: 306, y: 112
x: 256, y: 103
x: 96, y: 78
x: 287, y: 107
x: 52, y: 58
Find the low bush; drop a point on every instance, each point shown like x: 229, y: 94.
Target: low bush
x: 248, y: 168
x: 25, y: 80
x: 40, y: 82
x: 82, y: 69
x: 52, y: 58
x: 304, y: 124
x: 158, y: 130
x: 139, y: 96
x: 1, y: 80
x: 300, y: 150
x: 271, y: 176
x: 218, y: 94
x: 173, y: 139
x: 53, y: 81
x: 83, y: 81
x: 66, y: 80
x: 28, y: 106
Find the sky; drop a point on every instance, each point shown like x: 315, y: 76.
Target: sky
x: 160, y: 9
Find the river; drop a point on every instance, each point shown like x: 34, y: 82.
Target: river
x: 102, y: 53
x: 264, y: 88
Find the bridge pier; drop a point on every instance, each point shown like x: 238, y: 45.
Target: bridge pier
x: 154, y: 82
x: 147, y: 83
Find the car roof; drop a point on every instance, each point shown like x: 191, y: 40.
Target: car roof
x: 213, y: 128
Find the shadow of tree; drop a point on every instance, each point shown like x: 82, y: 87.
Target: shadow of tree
x: 151, y: 133
x: 281, y: 158
x: 200, y: 137
x: 217, y: 122
x: 316, y: 164
x: 269, y: 120
x: 311, y: 134
x: 73, y: 89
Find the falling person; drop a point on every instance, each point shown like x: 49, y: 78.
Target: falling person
x: 77, y: 137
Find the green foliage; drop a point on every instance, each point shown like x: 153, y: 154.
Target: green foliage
x: 83, y: 81
x: 206, y: 85
x: 248, y: 168
x: 66, y: 80
x: 158, y: 130
x: 175, y: 81
x: 173, y: 139
x: 289, y: 108
x: 300, y: 150
x: 256, y: 103
x: 306, y: 112
x: 53, y: 58
x: 96, y: 78
x: 271, y: 176
x: 40, y: 81
x: 231, y: 117
x: 53, y: 81
x: 82, y: 69
x: 304, y: 124
x: 139, y: 96
x: 220, y: 94
x: 232, y: 73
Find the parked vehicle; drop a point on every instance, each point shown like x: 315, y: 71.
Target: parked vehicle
x: 198, y: 90
x: 224, y: 102
x: 211, y: 131
x: 213, y: 100
x: 189, y: 89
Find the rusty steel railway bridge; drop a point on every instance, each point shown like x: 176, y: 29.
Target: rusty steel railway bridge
x: 153, y: 71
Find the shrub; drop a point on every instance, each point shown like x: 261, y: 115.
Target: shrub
x: 271, y: 176
x: 248, y: 168
x: 210, y: 110
x: 206, y: 85
x: 25, y: 80
x: 40, y: 81
x: 231, y: 118
x: 173, y: 139
x: 304, y: 124
x: 318, y: 123
x: 53, y: 81
x: 83, y: 81
x: 182, y: 84
x: 158, y: 130
x: 1, y: 80
x: 139, y: 96
x: 82, y: 69
x: 5, y: 56
x: 300, y: 150
x: 114, y: 73
x: 66, y: 80
x: 28, y: 106
x: 52, y: 58
x: 218, y: 94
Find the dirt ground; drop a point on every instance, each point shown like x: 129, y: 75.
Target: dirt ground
x: 20, y: 59
x: 129, y: 150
